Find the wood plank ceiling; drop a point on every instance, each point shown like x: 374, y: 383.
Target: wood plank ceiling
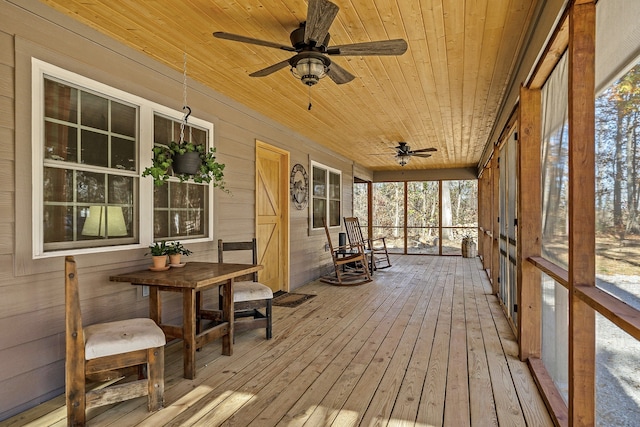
x: 444, y: 92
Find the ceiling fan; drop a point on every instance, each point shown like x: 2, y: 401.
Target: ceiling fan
x: 404, y: 153
x: 310, y: 42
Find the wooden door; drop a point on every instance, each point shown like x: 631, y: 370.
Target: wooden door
x: 272, y: 215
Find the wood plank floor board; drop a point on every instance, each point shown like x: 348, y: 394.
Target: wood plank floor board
x: 431, y: 408
x: 482, y: 408
x: 423, y: 344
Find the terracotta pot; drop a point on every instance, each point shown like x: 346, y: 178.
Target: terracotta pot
x: 174, y: 259
x: 159, y: 261
x: 187, y: 163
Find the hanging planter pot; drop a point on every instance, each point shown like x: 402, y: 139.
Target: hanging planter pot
x: 187, y: 163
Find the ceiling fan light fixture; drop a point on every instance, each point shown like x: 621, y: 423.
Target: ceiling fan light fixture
x: 309, y: 70
x: 402, y: 159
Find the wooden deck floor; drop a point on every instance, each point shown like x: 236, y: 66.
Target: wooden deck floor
x: 424, y: 344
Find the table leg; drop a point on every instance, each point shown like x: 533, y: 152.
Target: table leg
x: 155, y: 305
x: 189, y: 332
x: 228, y: 316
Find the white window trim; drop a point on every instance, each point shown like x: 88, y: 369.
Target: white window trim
x: 328, y: 169
x: 40, y: 69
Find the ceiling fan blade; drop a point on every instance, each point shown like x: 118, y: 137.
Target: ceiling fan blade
x: 320, y: 16
x: 271, y: 69
x: 250, y: 40
x: 339, y: 75
x: 382, y: 47
x: 424, y: 150
x: 419, y: 155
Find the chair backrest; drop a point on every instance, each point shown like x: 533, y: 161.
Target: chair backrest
x: 326, y: 230
x: 240, y: 246
x: 74, y: 335
x: 354, y: 232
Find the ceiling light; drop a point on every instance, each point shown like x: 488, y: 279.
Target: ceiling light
x: 402, y: 159
x: 309, y: 70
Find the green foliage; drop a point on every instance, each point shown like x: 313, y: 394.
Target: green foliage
x: 210, y: 170
x: 158, y: 249
x: 176, y: 248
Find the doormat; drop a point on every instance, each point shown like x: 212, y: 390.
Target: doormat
x: 288, y: 299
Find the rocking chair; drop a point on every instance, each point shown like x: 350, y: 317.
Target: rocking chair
x: 350, y: 263
x: 378, y: 247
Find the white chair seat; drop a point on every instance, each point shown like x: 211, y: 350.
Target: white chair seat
x: 106, y: 339
x: 250, y: 291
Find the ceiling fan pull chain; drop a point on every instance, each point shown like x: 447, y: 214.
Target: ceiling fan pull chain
x: 309, y: 108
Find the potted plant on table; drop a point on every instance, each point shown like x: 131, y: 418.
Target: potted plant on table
x: 187, y: 161
x: 175, y: 251
x: 158, y: 253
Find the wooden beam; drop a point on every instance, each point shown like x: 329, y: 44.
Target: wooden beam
x: 581, y: 211
x: 617, y: 311
x: 550, y: 393
x: 529, y: 229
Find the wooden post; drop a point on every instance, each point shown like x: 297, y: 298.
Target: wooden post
x: 529, y: 224
x: 581, y: 210
x: 495, y: 232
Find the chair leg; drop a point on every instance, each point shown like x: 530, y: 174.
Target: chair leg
x: 75, y: 389
x: 155, y: 380
x: 268, y: 311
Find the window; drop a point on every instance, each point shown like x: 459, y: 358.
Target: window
x: 89, y: 168
x: 326, y: 195
x: 87, y: 193
x: 180, y: 209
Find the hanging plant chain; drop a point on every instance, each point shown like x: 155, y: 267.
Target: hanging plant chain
x: 184, y: 97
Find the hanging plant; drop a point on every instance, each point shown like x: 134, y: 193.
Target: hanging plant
x: 208, y: 169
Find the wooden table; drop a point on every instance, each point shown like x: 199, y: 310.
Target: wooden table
x: 189, y: 280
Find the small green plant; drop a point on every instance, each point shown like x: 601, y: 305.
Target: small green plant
x: 210, y: 170
x: 176, y: 248
x: 158, y: 249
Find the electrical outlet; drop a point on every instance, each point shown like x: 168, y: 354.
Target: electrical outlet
x: 145, y: 291
x: 326, y: 247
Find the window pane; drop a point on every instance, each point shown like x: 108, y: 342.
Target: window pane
x: 58, y: 224
x: 617, y: 380
x: 463, y: 196
x: 180, y: 210
x: 388, y: 214
x: 60, y: 101
x: 334, y: 186
x: 94, y: 111
x: 121, y: 190
x: 319, y: 182
x: 422, y: 240
x: 555, y: 166
x: 334, y: 213
x: 95, y: 148
x: 91, y: 187
x: 58, y: 185
x: 361, y: 206
x: 123, y: 119
x: 319, y: 212
x: 452, y: 239
x: 555, y: 333
x: 162, y: 130
x: 60, y: 142
x: 123, y: 154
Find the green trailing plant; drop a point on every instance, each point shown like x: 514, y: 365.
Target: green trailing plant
x: 158, y: 249
x: 210, y: 172
x: 176, y: 248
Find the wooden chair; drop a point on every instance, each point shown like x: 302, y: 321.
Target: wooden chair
x: 349, y: 262
x: 98, y: 351
x: 249, y: 296
x: 378, y: 247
